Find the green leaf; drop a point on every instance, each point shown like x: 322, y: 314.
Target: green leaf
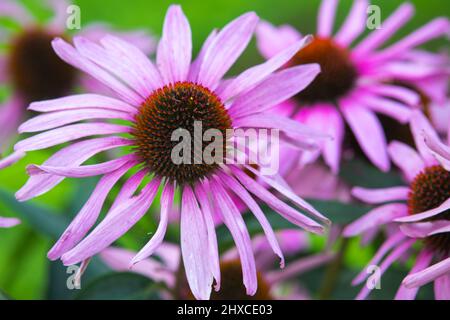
x: 42, y: 219
x: 120, y: 286
x: 360, y: 173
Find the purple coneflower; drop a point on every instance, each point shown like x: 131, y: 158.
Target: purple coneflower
x: 154, y: 102
x: 416, y: 212
x: 33, y: 69
x: 355, y: 82
x: 273, y: 284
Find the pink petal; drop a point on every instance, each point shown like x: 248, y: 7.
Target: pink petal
x: 82, y: 101
x: 396, y: 253
x: 269, y: 121
x: 272, y: 40
x: 442, y: 288
x: 423, y: 260
x: 156, y: 240
x: 114, y: 225
x: 390, y: 26
x: 390, y: 243
x: 369, y: 133
x: 227, y: 46
x: 195, y: 66
x: 242, y: 193
x: 73, y: 155
x: 327, y: 14
x: 275, y: 89
x: 234, y: 222
x: 435, y: 145
x: 83, y: 171
x: 355, y: 23
x: 16, y: 11
x: 141, y: 64
x: 425, y: 229
x: 87, y: 216
x: 119, y: 259
x: 70, y: 55
x: 436, y: 28
x: 393, y: 109
x: 194, y: 246
x: 376, y: 217
x: 427, y: 275
x: 277, y: 205
x: 11, y: 159
x: 254, y: 75
x: 120, y: 67
x: 374, y: 196
x: 419, y: 124
x: 175, y: 47
x: 406, y: 158
x: 68, y: 133
x: 282, y: 187
x: 426, y: 214
x: 8, y: 222
x: 207, y: 211
x: 405, y: 95
x: 61, y: 118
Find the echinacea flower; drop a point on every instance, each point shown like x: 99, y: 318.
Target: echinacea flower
x: 356, y: 82
x: 31, y: 67
x: 273, y: 284
x: 155, y: 102
x: 417, y: 212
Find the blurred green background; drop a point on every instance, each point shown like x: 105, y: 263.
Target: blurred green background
x: 26, y: 273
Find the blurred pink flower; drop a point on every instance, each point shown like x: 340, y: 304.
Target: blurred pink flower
x: 416, y: 212
x: 8, y: 222
x: 154, y: 101
x: 32, y: 68
x: 274, y: 284
x: 355, y: 82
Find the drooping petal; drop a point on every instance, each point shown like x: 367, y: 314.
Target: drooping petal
x: 242, y: 193
x: 234, y: 222
x: 376, y: 217
x: 175, y: 47
x: 405, y: 95
x: 114, y: 225
x: 387, y: 246
x: 87, y: 216
x: 82, y: 101
x: 83, y: 171
x: 277, y: 205
x: 327, y: 14
x: 368, y: 131
x: 442, y: 288
x: 275, y: 89
x: 194, y: 246
x: 227, y: 46
x: 393, y: 109
x: 391, y: 258
x: 119, y: 260
x: 156, y: 240
x: 427, y: 275
x: 426, y: 214
x: 68, y: 133
x: 61, y: 118
x: 423, y: 260
x: 73, y: 155
x: 207, y: 212
x: 425, y: 229
x: 374, y: 196
x: 11, y: 159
